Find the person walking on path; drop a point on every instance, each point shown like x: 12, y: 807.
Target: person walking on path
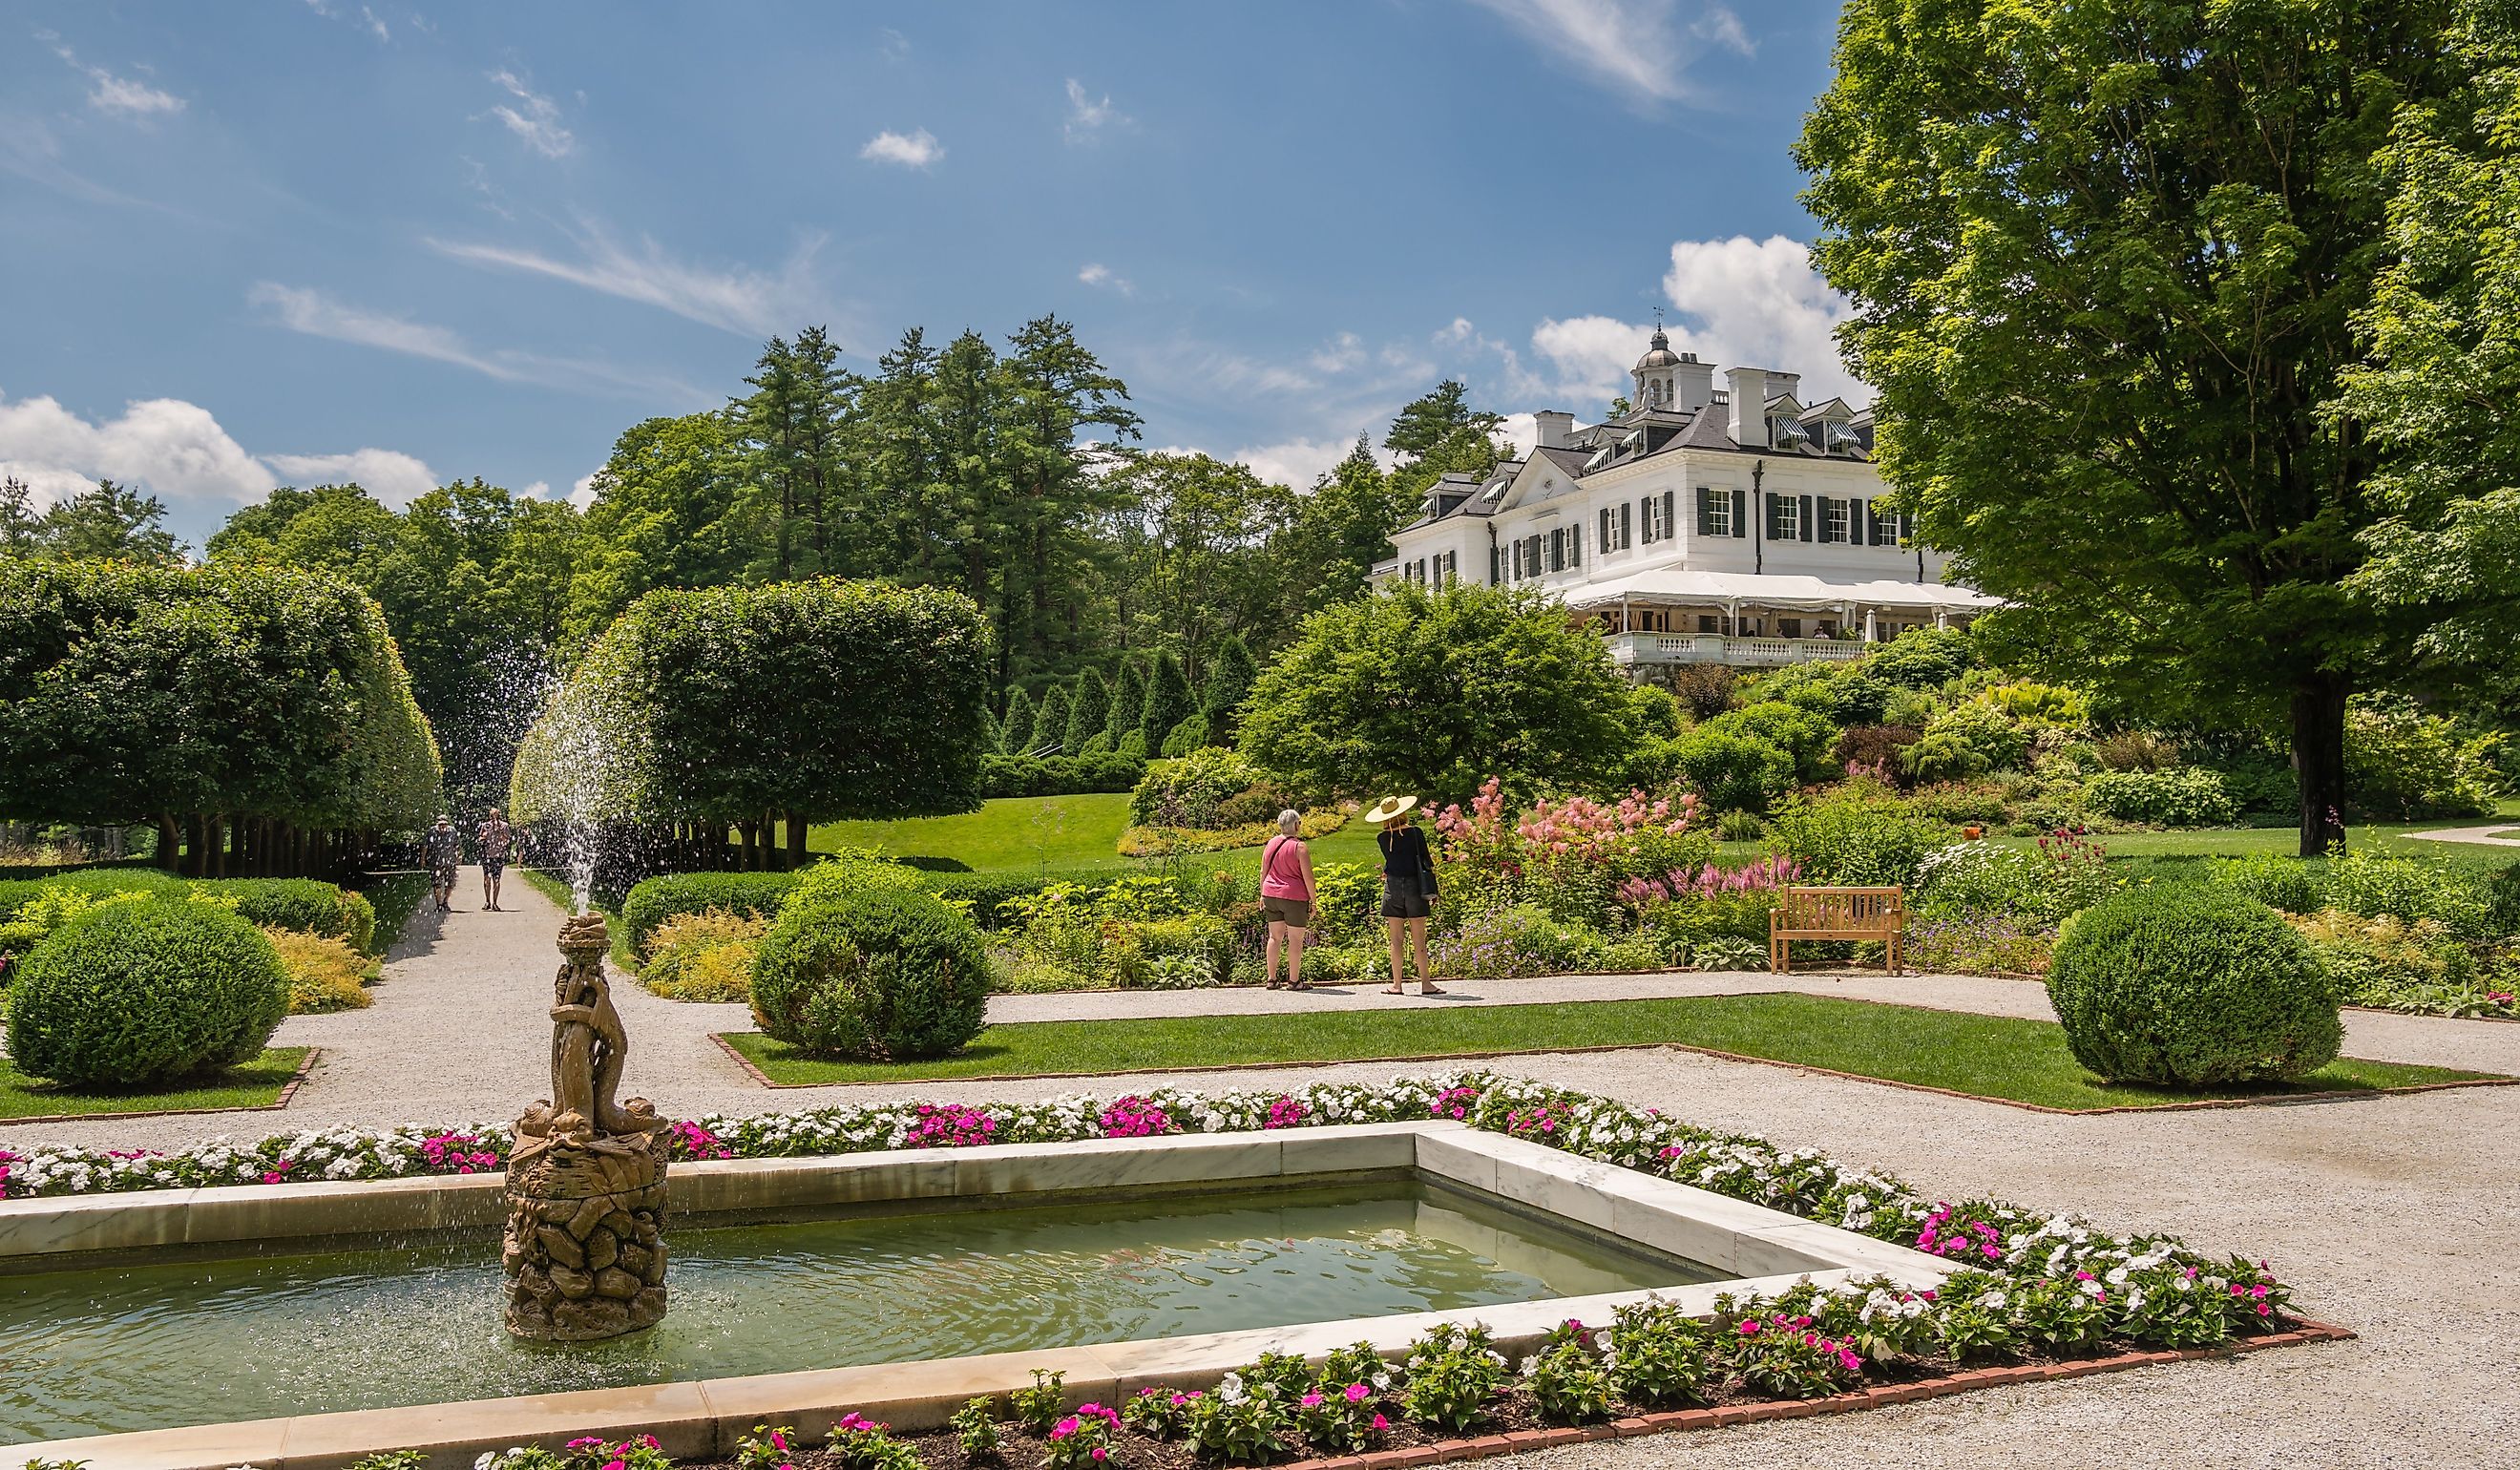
x: 491, y: 842
x: 1287, y: 898
x: 441, y: 848
x: 1408, y: 888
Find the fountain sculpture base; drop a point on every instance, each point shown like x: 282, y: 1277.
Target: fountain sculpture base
x: 585, y: 1247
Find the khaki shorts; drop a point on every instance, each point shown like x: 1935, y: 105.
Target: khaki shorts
x: 1294, y: 913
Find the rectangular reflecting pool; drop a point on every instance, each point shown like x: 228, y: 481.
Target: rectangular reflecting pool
x: 119, y: 1348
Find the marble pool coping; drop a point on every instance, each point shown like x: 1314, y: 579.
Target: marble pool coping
x: 1759, y: 1249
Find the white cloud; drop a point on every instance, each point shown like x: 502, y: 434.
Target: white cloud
x: 1344, y: 353
x: 393, y: 477
x: 534, y: 118
x: 1759, y: 303
x: 375, y: 27
x: 166, y: 445
x: 1102, y: 275
x: 120, y: 96
x: 1590, y: 357
x: 177, y: 451
x: 1087, y: 117
x: 582, y: 494
x: 894, y: 46
x: 312, y: 311
x: 1522, y: 430
x: 742, y: 301
x: 1295, y: 462
x: 1634, y: 47
x: 915, y: 150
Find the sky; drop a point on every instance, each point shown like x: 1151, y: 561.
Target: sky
x: 296, y: 242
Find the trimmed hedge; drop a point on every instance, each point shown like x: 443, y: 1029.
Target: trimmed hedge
x: 653, y: 901
x: 136, y: 994
x: 1060, y: 775
x: 884, y: 974
x: 2195, y: 985
x: 309, y: 906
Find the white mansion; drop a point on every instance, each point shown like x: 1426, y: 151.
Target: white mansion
x: 1710, y: 525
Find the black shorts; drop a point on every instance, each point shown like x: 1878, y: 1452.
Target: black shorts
x: 492, y: 868
x: 1404, y: 901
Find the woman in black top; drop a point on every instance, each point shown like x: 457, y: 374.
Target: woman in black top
x: 1408, y: 888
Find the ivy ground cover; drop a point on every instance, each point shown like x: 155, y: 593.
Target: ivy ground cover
x: 2000, y: 1057
x: 256, y: 1084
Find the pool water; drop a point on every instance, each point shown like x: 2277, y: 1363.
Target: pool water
x: 102, y: 1351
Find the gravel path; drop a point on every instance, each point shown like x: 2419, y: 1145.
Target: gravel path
x: 2394, y: 1214
x: 2484, y: 836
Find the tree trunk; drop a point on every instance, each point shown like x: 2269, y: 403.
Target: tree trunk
x: 2318, y: 760
x: 749, y: 831
x: 169, y: 844
x: 796, y: 841
x: 197, y: 846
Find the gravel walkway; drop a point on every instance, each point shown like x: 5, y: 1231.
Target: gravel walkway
x: 2484, y: 836
x: 2394, y: 1214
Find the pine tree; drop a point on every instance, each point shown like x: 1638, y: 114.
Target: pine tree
x: 1049, y: 724
x: 1230, y: 673
x: 1168, y: 701
x: 1018, y: 722
x: 1089, y: 709
x: 1128, y: 700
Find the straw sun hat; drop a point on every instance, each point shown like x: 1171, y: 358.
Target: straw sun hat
x: 1389, y: 809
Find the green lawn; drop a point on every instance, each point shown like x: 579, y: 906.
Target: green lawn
x: 1065, y: 834
x: 1987, y: 1056
x: 257, y: 1084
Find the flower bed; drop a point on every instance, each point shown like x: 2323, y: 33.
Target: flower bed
x: 2150, y: 1280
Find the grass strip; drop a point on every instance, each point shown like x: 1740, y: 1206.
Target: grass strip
x: 256, y: 1084
x: 1986, y: 1057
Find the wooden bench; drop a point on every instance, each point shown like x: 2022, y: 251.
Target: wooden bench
x: 1834, y: 913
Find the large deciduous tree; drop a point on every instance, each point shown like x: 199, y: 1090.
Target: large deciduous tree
x: 1434, y: 691
x: 2444, y: 334
x: 2104, y: 262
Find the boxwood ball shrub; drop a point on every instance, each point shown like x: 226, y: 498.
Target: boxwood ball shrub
x: 135, y: 995
x: 883, y: 974
x: 2195, y: 985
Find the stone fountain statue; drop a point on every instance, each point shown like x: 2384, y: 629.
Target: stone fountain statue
x: 585, y: 1248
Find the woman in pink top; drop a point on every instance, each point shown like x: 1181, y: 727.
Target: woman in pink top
x: 1287, y: 898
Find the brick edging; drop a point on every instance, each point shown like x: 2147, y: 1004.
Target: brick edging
x: 763, y: 1078
x: 1517, y: 1441
x: 287, y: 1090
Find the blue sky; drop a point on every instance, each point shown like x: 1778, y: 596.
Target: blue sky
x: 291, y: 241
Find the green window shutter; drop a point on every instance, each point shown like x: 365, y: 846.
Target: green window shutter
x: 1806, y: 517
x: 1705, y: 511
x: 1625, y: 525
x: 1741, y: 514
x: 1670, y: 503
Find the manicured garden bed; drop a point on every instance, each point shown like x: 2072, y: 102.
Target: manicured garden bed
x: 1986, y: 1057
x: 256, y: 1084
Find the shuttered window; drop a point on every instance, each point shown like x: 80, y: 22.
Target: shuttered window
x: 1574, y: 546
x: 1740, y: 514
x: 1781, y: 517
x: 1808, y: 519
x: 1627, y: 525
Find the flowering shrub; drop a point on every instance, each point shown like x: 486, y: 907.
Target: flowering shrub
x: 1285, y: 1112
x: 1516, y: 940
x: 1158, y: 1414
x: 451, y: 1153
x: 1135, y: 1117
x: 1563, y: 856
x: 591, y: 1452
x: 949, y: 1126
x: 1973, y: 943
x: 1960, y: 1231
x: 1570, y: 1383
x: 1452, y: 1373
x: 689, y: 1140
x: 1083, y: 1439
x: 1785, y: 1355
x: 704, y: 956
x: 976, y: 1429
x: 1040, y: 1406
x: 1664, y: 1358
x: 858, y: 1443
x: 1340, y: 1417
x: 2063, y: 876
x: 766, y: 1449
x: 1237, y: 1424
